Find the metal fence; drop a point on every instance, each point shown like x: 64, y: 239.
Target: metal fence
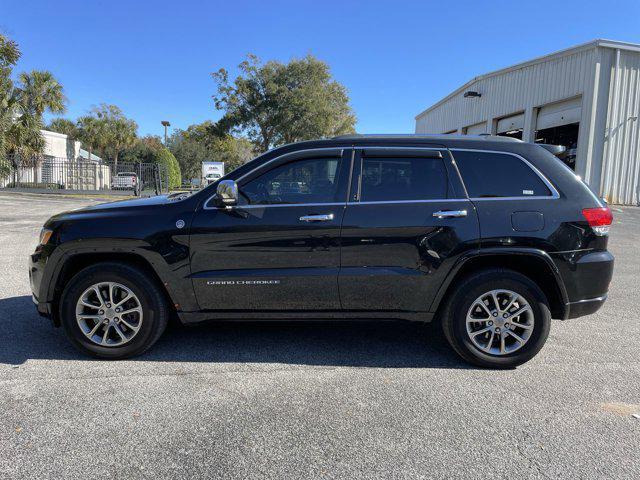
x: 83, y: 175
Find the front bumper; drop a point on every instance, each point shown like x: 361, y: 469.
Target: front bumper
x: 37, y: 263
x: 44, y: 309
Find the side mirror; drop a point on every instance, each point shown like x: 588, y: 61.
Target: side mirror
x: 227, y: 193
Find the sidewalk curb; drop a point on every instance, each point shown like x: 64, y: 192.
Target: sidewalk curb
x: 78, y: 196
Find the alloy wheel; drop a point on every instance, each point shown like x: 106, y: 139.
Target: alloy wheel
x: 500, y: 322
x: 109, y: 314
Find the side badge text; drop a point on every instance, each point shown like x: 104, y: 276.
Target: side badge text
x: 243, y: 282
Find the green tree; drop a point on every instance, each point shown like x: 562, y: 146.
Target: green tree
x: 22, y: 105
x: 64, y: 126
x: 24, y: 140
x: 275, y: 103
x: 206, y: 142
x: 91, y: 134
x: 9, y: 52
x: 189, y: 151
x: 143, y: 150
x: 233, y: 151
x: 40, y: 92
x: 9, y: 56
x: 149, y: 149
x: 116, y: 132
x: 136, y: 153
x: 153, y: 142
x: 35, y: 93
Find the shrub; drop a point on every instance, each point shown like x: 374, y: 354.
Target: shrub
x: 165, y: 157
x: 41, y: 185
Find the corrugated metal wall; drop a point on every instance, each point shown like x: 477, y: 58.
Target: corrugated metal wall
x: 621, y: 164
x: 608, y: 156
x: 513, y: 91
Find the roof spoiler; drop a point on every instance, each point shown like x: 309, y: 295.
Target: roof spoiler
x: 557, y: 150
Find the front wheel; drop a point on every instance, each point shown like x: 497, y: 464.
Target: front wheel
x: 113, y: 310
x: 497, y: 318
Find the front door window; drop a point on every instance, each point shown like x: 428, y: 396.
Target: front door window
x: 313, y: 180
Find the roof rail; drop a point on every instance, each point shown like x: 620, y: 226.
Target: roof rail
x: 440, y: 136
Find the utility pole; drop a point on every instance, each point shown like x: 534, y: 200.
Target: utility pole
x: 165, y: 124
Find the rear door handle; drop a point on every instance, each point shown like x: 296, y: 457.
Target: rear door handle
x: 317, y: 218
x: 450, y: 213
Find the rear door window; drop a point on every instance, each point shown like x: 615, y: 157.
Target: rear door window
x: 389, y: 179
x: 495, y: 175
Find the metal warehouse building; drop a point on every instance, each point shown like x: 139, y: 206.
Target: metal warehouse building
x: 586, y: 98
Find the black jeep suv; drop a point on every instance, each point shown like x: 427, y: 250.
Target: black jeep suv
x: 491, y: 236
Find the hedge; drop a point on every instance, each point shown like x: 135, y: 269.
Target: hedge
x: 165, y: 157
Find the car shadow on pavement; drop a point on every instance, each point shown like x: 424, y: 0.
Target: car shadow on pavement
x: 375, y: 343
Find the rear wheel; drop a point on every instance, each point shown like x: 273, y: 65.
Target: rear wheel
x: 497, y: 318
x: 113, y: 310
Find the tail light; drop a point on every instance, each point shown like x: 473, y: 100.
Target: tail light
x: 599, y: 219
x: 133, y: 180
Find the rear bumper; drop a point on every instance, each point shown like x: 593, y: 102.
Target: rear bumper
x: 584, y: 307
x: 586, y: 276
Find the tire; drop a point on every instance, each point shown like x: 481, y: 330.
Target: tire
x: 144, y: 296
x: 479, y: 286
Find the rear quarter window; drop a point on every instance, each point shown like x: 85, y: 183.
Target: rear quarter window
x: 495, y: 175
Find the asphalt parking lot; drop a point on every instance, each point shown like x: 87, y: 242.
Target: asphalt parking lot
x: 353, y: 400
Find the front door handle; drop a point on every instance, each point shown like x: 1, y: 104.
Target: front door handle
x: 450, y: 213
x: 317, y: 218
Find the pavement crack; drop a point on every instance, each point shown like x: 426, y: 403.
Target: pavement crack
x: 531, y: 462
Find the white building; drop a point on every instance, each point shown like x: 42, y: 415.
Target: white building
x: 58, y: 145
x: 65, y: 165
x: 586, y: 98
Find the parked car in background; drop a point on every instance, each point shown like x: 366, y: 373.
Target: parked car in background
x: 127, y: 181
x: 490, y: 236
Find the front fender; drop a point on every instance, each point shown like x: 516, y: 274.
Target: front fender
x: 171, y: 265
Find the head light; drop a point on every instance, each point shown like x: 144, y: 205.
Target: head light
x: 45, y: 236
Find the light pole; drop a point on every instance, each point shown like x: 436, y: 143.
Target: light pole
x: 165, y: 124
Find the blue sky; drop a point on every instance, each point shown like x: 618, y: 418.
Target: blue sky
x: 153, y: 59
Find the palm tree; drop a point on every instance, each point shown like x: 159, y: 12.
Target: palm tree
x: 7, y: 107
x: 37, y: 92
x: 25, y: 143
x: 9, y: 56
x: 91, y: 133
x: 40, y: 92
x: 119, y: 131
x: 24, y: 139
x: 122, y: 134
x: 64, y: 126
